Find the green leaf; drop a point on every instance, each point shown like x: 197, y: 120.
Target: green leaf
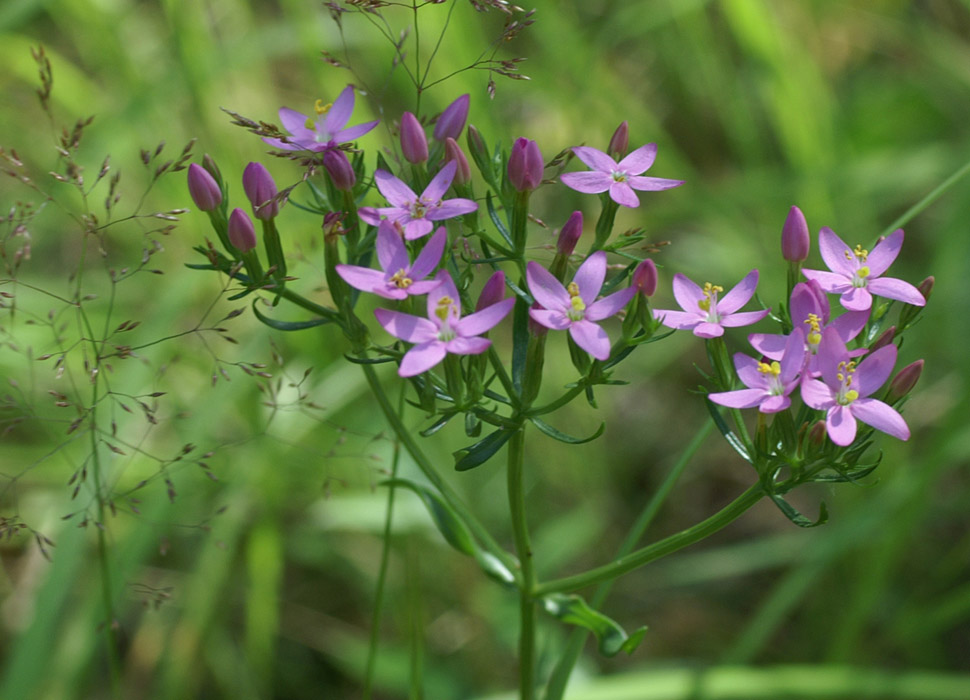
x: 733, y: 440
x: 562, y: 437
x: 499, y: 224
x: 288, y: 325
x: 573, y: 610
x: 368, y: 360
x: 792, y: 514
x: 479, y: 453
x: 437, y: 425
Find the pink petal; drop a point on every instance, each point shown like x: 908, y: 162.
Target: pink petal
x: 591, y: 338
x: 445, y: 288
x: 439, y: 185
x: 450, y: 208
x: 830, y: 282
x: 708, y: 330
x: 416, y: 228
x: 856, y: 299
x: 277, y: 143
x: 394, y: 190
x: 817, y: 395
x: 653, y: 184
x: 831, y: 352
x: 688, y: 294
x: 773, y: 404
x: 362, y: 278
x: 411, y: 329
x: 892, y: 288
x: 873, y: 372
x: 468, y: 346
x: 589, y: 277
x: 391, y: 252
x: 794, y: 358
x: 355, y: 132
x: 545, y: 288
x: 841, y: 425
x: 596, y: 160
x: 422, y: 357
x: 556, y: 320
x: 639, y: 160
x: 836, y: 254
x: 681, y: 320
x: 802, y: 303
x: 610, y: 305
x: 420, y: 288
x: 340, y: 111
x: 739, y: 296
x: 430, y: 255
x: 587, y: 182
x: 370, y: 215
x: 295, y: 123
x: 885, y: 252
x: 881, y: 417
x: 747, y: 369
x: 742, y: 398
x: 745, y: 318
x: 850, y: 324
x: 486, y: 319
x: 770, y: 345
x: 622, y: 193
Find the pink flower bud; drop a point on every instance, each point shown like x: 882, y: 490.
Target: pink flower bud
x: 525, y: 165
x: 570, y: 233
x: 794, y: 237
x: 620, y: 142
x: 904, y: 381
x: 463, y: 173
x: 884, y: 339
x: 816, y: 434
x: 493, y: 292
x: 452, y: 120
x: 926, y: 287
x: 476, y: 144
x: 261, y: 191
x: 333, y: 225
x: 645, y: 277
x: 241, y: 231
x: 414, y: 144
x: 203, y: 188
x: 210, y: 165
x: 339, y: 168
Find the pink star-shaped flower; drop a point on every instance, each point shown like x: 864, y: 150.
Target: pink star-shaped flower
x: 326, y: 131
x: 619, y: 178
x: 769, y: 383
x: 399, y: 278
x: 705, y: 314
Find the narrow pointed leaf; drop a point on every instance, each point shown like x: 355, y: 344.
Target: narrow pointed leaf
x: 573, y: 610
x: 499, y: 224
x: 733, y: 440
x: 563, y: 437
x: 479, y: 453
x: 792, y: 514
x: 289, y: 325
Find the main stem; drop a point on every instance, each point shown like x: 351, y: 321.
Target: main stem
x: 523, y: 548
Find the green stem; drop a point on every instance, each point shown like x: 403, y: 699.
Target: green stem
x: 660, y: 549
x: 523, y: 548
x: 922, y: 204
x: 562, y: 671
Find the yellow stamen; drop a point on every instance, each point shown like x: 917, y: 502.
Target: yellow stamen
x: 444, y: 306
x: 863, y: 272
x: 851, y: 395
x: 401, y: 280
x: 861, y: 253
x: 774, y: 368
x: 575, y: 300
x: 814, y: 329
x: 321, y: 108
x: 709, y: 291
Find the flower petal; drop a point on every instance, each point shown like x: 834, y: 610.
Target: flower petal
x: 841, y: 425
x: 545, y: 288
x: 771, y: 345
x: 885, y: 252
x: 836, y: 254
x: 412, y: 329
x: 468, y: 346
x: 794, y: 358
x: 742, y: 398
x: 881, y: 417
x: 295, y: 123
x: 745, y: 318
x: 340, y: 111
x: 802, y: 303
x: 831, y: 352
x: 596, y: 159
x: 587, y: 182
x: 639, y: 160
x: 430, y: 255
x: 484, y: 320
x: 445, y: 288
x: 856, y: 299
x: 850, y: 324
x: 773, y: 404
x: 354, y: 132
x: 653, y: 184
x: 362, y: 278
x: 422, y: 357
x: 817, y: 395
x: 622, y: 193
x: 892, y: 288
x: 416, y: 228
x: 610, y: 305
x: 681, y: 320
x: 370, y: 215
x: 747, y: 369
x: 391, y: 252
x: 450, y: 208
x: 394, y: 190
x: 440, y: 183
x: 873, y: 372
x: 831, y: 282
x: 708, y: 330
x: 688, y: 294
x: 591, y: 338
x: 589, y: 277
x: 739, y: 296
x: 550, y: 318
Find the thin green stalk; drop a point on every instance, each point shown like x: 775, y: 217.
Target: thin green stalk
x: 922, y: 204
x: 668, y: 545
x: 385, y: 558
x: 523, y: 548
x: 560, y: 674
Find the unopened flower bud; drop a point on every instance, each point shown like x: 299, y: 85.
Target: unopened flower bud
x: 261, y: 191
x: 795, y: 240
x: 414, y: 144
x: 493, y: 292
x: 340, y: 170
x: 816, y: 434
x: 570, y: 234
x: 926, y: 287
x: 333, y: 224
x: 463, y: 173
x: 210, y: 165
x: 241, y: 232
x: 645, y: 277
x: 452, y: 120
x: 203, y: 188
x: 904, y: 381
x: 884, y: 339
x: 620, y: 141
x: 525, y: 165
x: 476, y: 144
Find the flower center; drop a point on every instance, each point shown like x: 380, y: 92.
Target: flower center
x: 619, y: 176
x: 709, y: 302
x: 772, y: 372
x: 844, y: 373
x: 814, y: 336
x: 444, y: 309
x: 859, y: 278
x: 419, y: 208
x: 577, y: 310
x: 401, y: 280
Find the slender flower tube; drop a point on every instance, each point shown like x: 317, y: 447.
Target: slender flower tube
x: 261, y: 191
x: 452, y: 120
x: 575, y: 307
x: 620, y: 179
x: 242, y: 235
x: 844, y: 390
x: 525, y: 165
x: 620, y: 141
x: 324, y: 130
x: 444, y: 331
x: 453, y: 152
x: 415, y: 213
x: 340, y: 170
x: 398, y: 278
x: 414, y: 143
x: 856, y: 273
x: 795, y: 239
x: 769, y: 383
x: 203, y: 188
x: 705, y: 314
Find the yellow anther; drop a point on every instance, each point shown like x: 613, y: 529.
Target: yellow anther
x: 863, y: 272
x: 577, y: 303
x: 840, y: 377
x: 710, y: 290
x: 321, y: 108
x: 309, y: 123
x: 814, y: 336
x: 401, y: 280
x: 851, y: 395
x: 573, y: 289
x: 774, y: 368
x: 444, y: 307
x: 861, y: 253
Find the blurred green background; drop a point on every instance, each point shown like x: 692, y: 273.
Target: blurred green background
x: 261, y: 585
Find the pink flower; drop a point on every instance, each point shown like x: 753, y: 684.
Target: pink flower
x: 324, y: 132
x: 769, y: 383
x: 444, y: 330
x: 844, y: 390
x: 575, y: 307
x: 399, y: 278
x: 619, y: 178
x: 706, y: 315
x: 856, y: 273
x: 416, y: 213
